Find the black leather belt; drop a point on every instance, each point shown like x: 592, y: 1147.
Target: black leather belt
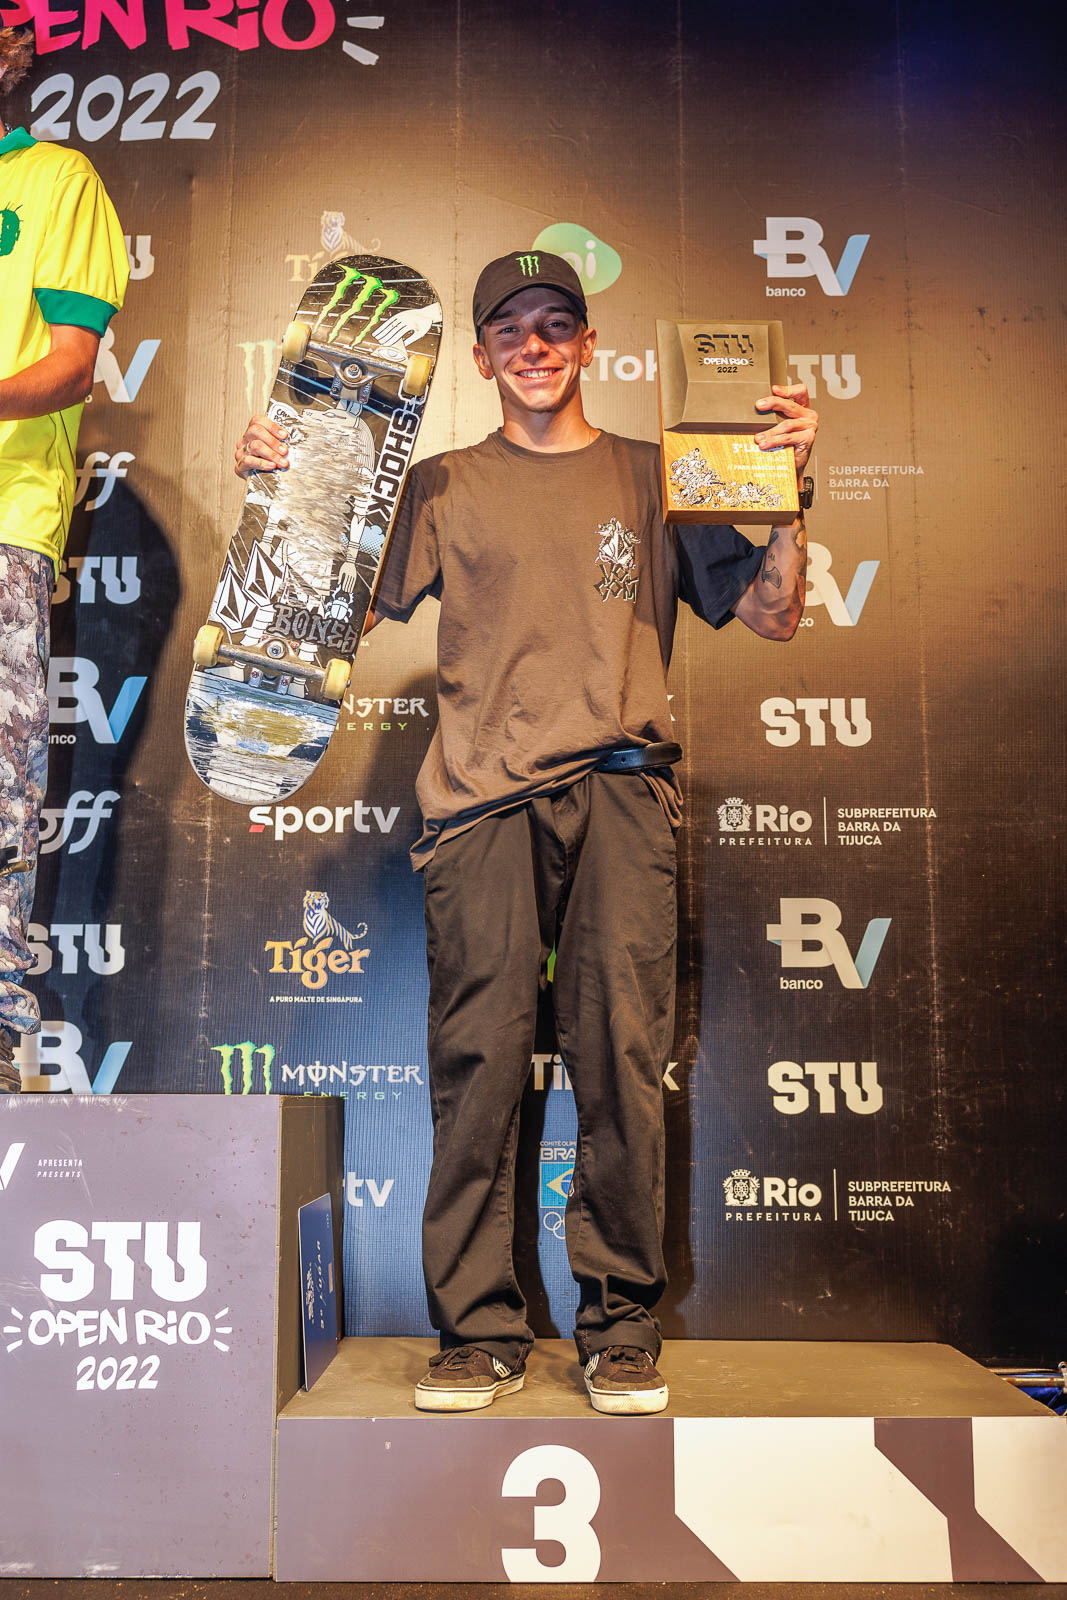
x: 634, y: 757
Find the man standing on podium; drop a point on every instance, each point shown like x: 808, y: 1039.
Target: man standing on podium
x: 549, y: 808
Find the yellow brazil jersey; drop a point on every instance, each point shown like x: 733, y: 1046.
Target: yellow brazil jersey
x: 62, y: 260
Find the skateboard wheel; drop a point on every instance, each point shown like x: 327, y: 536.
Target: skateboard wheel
x: 417, y: 375
x: 295, y: 343
x: 206, y: 645
x: 335, y: 679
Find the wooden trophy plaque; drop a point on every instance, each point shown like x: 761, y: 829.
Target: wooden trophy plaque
x: 710, y: 376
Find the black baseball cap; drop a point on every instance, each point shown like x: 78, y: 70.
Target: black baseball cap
x: 524, y: 269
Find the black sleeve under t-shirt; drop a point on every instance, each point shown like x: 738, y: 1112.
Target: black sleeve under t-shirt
x: 715, y: 567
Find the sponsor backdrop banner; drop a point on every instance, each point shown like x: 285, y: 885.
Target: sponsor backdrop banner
x: 862, y: 1097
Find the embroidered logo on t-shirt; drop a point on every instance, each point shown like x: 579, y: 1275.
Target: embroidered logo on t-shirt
x: 10, y: 228
x: 617, y: 561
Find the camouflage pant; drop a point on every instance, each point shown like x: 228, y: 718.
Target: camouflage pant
x: 25, y: 595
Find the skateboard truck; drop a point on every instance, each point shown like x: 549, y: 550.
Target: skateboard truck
x: 355, y: 372
x: 327, y: 683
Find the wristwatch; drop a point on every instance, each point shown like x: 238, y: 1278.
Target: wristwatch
x: 806, y: 494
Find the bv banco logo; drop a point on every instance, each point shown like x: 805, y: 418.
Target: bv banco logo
x: 793, y: 249
x: 809, y: 934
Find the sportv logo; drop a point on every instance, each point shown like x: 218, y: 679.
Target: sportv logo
x: 809, y: 933
x: 793, y: 249
x: 379, y: 1192
x: 283, y: 820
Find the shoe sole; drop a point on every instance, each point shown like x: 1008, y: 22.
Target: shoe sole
x: 629, y: 1402
x: 434, y: 1399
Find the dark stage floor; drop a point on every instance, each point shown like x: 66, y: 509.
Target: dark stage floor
x: 262, y: 1589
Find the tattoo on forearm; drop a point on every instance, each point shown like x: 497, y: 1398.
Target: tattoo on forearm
x: 770, y: 573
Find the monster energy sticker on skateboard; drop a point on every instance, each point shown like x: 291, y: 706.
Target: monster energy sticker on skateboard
x: 273, y: 661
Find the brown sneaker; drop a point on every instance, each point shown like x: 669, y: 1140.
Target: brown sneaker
x: 466, y: 1379
x: 623, y: 1380
x: 10, y: 1080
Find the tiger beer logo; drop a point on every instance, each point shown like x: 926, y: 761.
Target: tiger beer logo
x: 326, y: 949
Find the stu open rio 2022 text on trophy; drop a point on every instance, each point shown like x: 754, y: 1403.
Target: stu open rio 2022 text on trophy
x: 710, y: 376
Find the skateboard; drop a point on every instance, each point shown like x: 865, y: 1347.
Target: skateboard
x: 272, y: 663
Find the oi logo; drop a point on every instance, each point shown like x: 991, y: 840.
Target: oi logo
x: 595, y: 262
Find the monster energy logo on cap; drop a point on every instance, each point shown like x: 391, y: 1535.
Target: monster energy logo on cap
x: 508, y: 274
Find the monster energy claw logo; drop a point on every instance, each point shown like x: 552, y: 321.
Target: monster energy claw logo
x: 531, y: 265
x: 371, y: 286
x: 246, y: 1054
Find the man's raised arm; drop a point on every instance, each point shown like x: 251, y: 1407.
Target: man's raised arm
x: 773, y: 603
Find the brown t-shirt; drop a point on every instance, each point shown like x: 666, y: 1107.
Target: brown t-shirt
x: 559, y: 586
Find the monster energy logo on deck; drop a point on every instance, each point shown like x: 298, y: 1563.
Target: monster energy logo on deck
x: 247, y: 1053
x: 531, y: 265
x: 370, y: 286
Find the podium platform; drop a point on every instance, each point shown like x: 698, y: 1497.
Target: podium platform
x: 150, y: 1316
x: 789, y: 1462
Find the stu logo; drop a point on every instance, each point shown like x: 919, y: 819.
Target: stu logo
x: 62, y: 1247
x: 793, y: 249
x: 809, y: 934
x: 848, y: 719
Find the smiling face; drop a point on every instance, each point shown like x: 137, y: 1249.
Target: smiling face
x: 535, y: 346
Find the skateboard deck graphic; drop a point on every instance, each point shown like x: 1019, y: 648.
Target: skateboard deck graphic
x: 272, y: 663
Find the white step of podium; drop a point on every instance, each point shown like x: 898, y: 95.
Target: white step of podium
x: 788, y: 1462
